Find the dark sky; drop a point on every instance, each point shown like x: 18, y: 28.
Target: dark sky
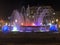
x: 7, y: 6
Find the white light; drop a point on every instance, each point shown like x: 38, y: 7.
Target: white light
x: 14, y: 29
x: 59, y: 26
x: 16, y: 20
x: 33, y: 24
x: 52, y: 21
x: 49, y: 24
x: 6, y: 23
x: 56, y: 20
x: 54, y: 13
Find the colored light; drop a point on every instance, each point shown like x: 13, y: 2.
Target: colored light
x: 40, y: 23
x: 21, y: 31
x: 56, y: 20
x: 22, y: 24
x: 33, y: 24
x: 16, y: 20
x: 53, y: 28
x: 5, y: 28
x: 52, y: 21
x: 15, y: 29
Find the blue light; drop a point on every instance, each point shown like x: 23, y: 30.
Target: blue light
x: 53, y: 28
x: 28, y: 29
x: 5, y: 28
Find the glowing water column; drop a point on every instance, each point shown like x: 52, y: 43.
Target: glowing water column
x: 27, y: 16
x: 46, y: 11
x: 16, y: 20
x: 40, y: 17
x: 23, y: 15
x: 15, y: 28
x: 17, y: 16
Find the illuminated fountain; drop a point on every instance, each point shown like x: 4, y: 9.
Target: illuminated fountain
x: 40, y: 17
x: 16, y: 20
x: 25, y: 21
x: 17, y: 17
x: 24, y: 17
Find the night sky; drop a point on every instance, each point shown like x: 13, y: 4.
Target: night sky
x: 7, y: 6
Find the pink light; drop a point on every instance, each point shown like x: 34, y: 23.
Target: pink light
x: 22, y: 24
x: 33, y: 24
x: 27, y: 24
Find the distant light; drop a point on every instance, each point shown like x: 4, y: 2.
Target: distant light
x: 56, y: 20
x: 33, y: 24
x: 32, y: 16
x: 49, y: 23
x: 54, y: 13
x: 59, y: 26
x: 6, y: 23
x: 16, y: 20
x: 40, y: 23
x: 52, y: 21
x: 22, y: 24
